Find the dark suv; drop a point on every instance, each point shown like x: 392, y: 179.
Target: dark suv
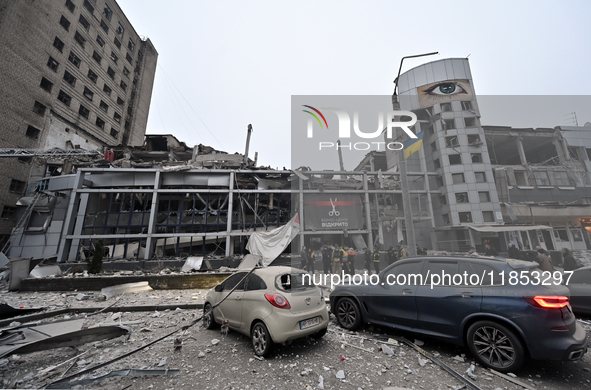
x: 500, y: 309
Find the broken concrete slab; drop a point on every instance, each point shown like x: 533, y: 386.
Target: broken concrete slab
x: 43, y: 271
x: 32, y: 338
x: 192, y: 263
x: 125, y: 289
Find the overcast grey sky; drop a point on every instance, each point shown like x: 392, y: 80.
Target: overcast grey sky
x: 232, y: 63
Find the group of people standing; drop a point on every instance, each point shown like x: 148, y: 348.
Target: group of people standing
x: 342, y: 258
x: 541, y: 256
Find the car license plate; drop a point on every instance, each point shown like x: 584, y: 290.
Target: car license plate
x: 309, y: 322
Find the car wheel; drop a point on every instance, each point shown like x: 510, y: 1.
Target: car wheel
x: 348, y: 314
x: 261, y: 340
x: 208, y: 320
x: 495, y: 346
x: 320, y: 334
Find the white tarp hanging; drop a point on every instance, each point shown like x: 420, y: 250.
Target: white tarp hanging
x: 269, y: 245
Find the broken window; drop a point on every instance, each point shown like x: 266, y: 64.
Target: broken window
x: 117, y: 43
x: 92, y: 76
x: 446, y: 220
x: 32, y: 132
x: 88, y: 93
x: 100, y: 41
x: 467, y: 106
x: 458, y: 178
x: 39, y: 108
x: 52, y: 64
x: 65, y: 23
x: 100, y: 123
x: 452, y: 141
x: 462, y: 197
x: 70, y: 79
x: 128, y: 58
x: 120, y: 101
x: 541, y: 178
x: 85, y: 23
x: 80, y: 39
x: 70, y: 6
x: 104, y: 106
x: 117, y: 117
x: 434, y: 146
x: 114, y: 57
x: 105, y: 27
x: 449, y: 124
x: 88, y: 6
x: 560, y: 235
x: 131, y: 45
x: 502, y: 150
x: 445, y: 107
x: 484, y: 196
x: 8, y: 212
x: 476, y: 157
x: 540, y: 150
x: 442, y: 200
x: 562, y: 179
x: 107, y: 12
x: 123, y: 85
x: 126, y: 71
x: 465, y: 217
x: 111, y: 73
x: 107, y: 89
x: 64, y: 98
x: 17, y: 186
x: 520, y: 178
x: 83, y: 111
x: 488, y: 216
x: 439, y: 181
x: 58, y: 44
x: 436, y: 163
x: 470, y: 122
x: 480, y: 177
x: 46, y: 84
x: 120, y: 30
x: 455, y: 159
x: 474, y: 139
x: 114, y: 133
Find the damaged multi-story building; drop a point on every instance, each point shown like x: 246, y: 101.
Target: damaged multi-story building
x: 75, y: 75
x: 496, y: 185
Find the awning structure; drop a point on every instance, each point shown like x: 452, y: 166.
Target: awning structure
x: 509, y: 228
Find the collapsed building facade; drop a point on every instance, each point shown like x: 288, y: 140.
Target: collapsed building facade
x: 155, y: 205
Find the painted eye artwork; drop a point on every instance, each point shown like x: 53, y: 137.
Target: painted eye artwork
x: 444, y: 91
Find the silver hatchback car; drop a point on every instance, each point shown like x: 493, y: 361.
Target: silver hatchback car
x: 272, y: 305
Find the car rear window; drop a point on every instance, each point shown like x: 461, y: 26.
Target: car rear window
x: 290, y: 282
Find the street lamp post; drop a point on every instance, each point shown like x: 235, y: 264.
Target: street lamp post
x: 406, y: 204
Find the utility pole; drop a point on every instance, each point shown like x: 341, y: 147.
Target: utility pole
x: 411, y: 249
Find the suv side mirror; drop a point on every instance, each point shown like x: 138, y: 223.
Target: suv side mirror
x: 219, y: 288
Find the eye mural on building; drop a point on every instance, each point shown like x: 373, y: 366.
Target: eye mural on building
x: 444, y: 91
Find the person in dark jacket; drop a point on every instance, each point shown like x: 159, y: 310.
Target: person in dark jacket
x: 392, y: 255
x: 569, y: 262
x: 327, y: 259
x: 376, y: 260
x: 304, y: 256
x: 311, y: 260
x: 489, y: 251
x: 514, y: 253
x: 367, y: 258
